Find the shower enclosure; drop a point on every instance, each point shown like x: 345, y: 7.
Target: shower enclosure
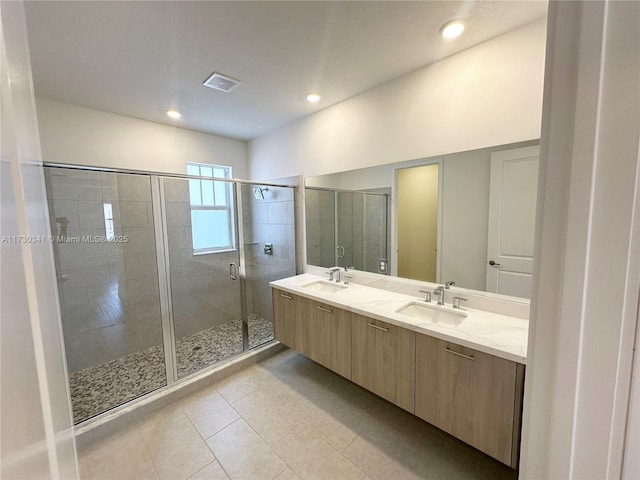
x: 347, y: 228
x: 161, y: 276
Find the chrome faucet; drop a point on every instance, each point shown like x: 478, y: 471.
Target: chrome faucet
x: 439, y: 292
x: 331, y: 274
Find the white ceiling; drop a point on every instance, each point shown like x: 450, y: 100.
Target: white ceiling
x: 140, y: 58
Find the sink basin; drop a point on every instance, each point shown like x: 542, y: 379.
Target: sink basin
x: 432, y: 314
x: 324, y: 287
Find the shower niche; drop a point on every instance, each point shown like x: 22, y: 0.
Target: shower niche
x: 160, y: 276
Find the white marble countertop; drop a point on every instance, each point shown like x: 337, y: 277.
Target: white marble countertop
x: 500, y: 335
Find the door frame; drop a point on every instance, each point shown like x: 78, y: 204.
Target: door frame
x: 394, y: 210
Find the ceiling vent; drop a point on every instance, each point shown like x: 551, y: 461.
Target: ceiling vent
x: 221, y: 82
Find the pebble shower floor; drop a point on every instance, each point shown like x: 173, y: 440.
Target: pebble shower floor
x: 97, y: 389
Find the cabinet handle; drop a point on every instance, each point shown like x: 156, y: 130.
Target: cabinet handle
x: 468, y: 357
x: 286, y: 296
x: 325, y: 309
x: 379, y: 328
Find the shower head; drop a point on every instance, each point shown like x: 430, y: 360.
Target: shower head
x: 258, y: 193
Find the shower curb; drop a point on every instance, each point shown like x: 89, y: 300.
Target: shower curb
x: 99, y: 428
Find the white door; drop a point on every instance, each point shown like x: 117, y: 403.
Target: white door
x: 512, y: 211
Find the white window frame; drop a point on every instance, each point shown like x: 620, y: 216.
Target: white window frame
x: 228, y: 207
x: 109, y: 226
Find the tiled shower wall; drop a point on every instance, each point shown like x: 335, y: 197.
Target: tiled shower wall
x: 320, y: 227
x: 202, y: 292
x: 271, y: 220
x: 362, y: 228
x: 108, y: 291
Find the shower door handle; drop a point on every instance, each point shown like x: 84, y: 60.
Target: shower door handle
x: 233, y: 271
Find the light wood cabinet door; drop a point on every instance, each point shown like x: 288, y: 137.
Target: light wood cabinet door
x: 329, y: 337
x: 383, y: 360
x: 289, y: 320
x: 474, y: 396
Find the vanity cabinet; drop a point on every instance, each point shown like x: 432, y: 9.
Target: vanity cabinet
x: 474, y: 396
x: 329, y: 337
x: 383, y: 357
x: 289, y: 320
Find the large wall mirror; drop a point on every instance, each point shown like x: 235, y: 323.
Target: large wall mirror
x: 466, y: 217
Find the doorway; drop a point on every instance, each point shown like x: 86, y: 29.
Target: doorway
x: 417, y: 207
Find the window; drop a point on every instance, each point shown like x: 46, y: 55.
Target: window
x: 211, y: 208
x: 108, y: 221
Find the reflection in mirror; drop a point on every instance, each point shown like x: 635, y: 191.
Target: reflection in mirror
x: 347, y: 228
x: 417, y: 194
x: 467, y: 196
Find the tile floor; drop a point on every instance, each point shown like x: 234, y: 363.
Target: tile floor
x: 100, y: 388
x: 285, y: 418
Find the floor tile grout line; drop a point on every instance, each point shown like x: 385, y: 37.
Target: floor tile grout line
x: 146, y: 442
x: 238, y: 399
x: 153, y: 464
x: 268, y: 445
x: 326, y: 439
x: 240, y: 417
x: 204, y: 440
x: 364, y: 473
x: 321, y: 437
x: 212, y: 461
x: 352, y: 442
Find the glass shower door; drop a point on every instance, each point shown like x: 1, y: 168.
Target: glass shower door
x: 105, y: 257
x: 268, y: 235
x: 204, y: 271
x: 375, y: 232
x: 320, y: 226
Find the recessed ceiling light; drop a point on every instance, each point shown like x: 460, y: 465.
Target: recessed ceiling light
x: 452, y: 29
x: 313, y: 97
x: 173, y: 113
